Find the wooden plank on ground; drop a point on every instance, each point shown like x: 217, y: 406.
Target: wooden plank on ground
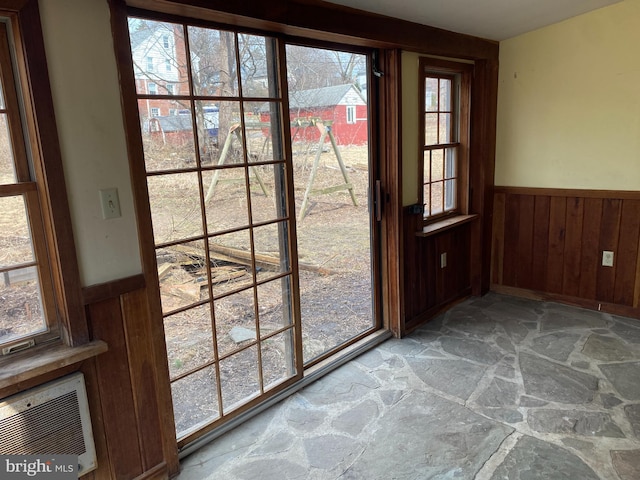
x: 243, y: 257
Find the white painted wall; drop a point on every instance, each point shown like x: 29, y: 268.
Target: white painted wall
x: 569, y: 103
x: 86, y: 97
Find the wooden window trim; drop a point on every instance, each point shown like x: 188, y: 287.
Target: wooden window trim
x: 461, y: 73
x: 39, y: 123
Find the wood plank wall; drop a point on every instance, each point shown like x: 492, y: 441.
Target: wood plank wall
x: 428, y: 288
x: 122, y: 385
x: 550, y: 241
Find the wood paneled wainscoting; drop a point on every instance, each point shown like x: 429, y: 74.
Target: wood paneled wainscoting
x: 430, y: 287
x: 548, y: 243
x: 130, y: 431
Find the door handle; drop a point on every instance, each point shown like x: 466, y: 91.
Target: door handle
x: 378, y: 201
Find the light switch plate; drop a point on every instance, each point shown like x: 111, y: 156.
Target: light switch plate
x: 607, y: 258
x: 110, y: 203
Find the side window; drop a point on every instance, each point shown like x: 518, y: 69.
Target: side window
x: 444, y: 99
x: 27, y: 312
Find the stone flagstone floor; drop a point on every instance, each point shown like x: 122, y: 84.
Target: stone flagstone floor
x: 495, y: 388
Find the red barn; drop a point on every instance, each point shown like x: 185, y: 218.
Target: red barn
x: 343, y: 105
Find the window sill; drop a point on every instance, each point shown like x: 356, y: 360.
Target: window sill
x: 445, y: 224
x: 27, y: 365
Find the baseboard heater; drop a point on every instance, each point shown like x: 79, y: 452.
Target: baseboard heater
x: 50, y: 419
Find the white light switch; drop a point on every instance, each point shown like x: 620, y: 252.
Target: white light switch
x: 110, y: 203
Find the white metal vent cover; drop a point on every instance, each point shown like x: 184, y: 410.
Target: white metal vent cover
x: 51, y: 419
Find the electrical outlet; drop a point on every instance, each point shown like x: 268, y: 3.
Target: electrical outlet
x: 110, y: 203
x: 607, y: 258
x: 443, y: 260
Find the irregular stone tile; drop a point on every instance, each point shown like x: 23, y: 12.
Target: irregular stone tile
x: 624, y: 378
x: 526, y: 401
x: 455, y: 377
x: 505, y: 344
x: 509, y: 312
x: 305, y: 419
x: 516, y: 331
x: 327, y: 451
x: 531, y: 325
x: 402, y: 347
x: 482, y: 302
x: 228, y: 447
x: 607, y: 349
x: 556, y: 383
x: 506, y: 371
x: 425, y: 337
x: 560, y: 317
x: 633, y: 415
x: 391, y: 397
x: 394, y: 363
x: 581, y: 445
x: 270, y: 469
x: 506, y: 415
x: 627, y: 329
x: 442, y: 439
x: 532, y: 458
x: 555, y: 345
x: 355, y: 419
x: 475, y: 350
x: 609, y: 400
x: 626, y: 463
x: 601, y: 331
x: 278, y: 443
x: 581, y: 364
x: 471, y: 321
x: 593, y: 424
x: 346, y: 384
x: 630, y: 322
x: 499, y: 393
x: 371, y: 359
x: 430, y: 352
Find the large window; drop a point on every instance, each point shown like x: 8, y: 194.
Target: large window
x: 21, y: 253
x: 444, y: 116
x: 35, y: 305
x: 217, y: 179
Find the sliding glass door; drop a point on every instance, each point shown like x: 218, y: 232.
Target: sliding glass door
x: 258, y: 177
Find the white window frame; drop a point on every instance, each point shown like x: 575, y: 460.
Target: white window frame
x: 351, y: 114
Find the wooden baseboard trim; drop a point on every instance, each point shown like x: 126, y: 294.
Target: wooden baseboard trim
x: 612, y: 308
x: 567, y: 192
x: 159, y: 472
x: 105, y: 291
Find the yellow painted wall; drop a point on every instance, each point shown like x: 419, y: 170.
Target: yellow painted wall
x: 410, y: 131
x: 569, y: 103
x: 86, y: 97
